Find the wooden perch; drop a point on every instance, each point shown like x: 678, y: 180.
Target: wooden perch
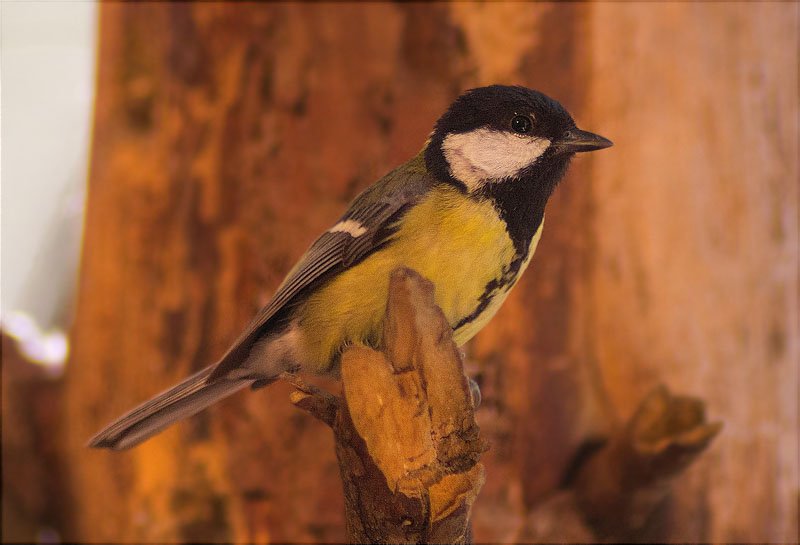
x: 406, y: 438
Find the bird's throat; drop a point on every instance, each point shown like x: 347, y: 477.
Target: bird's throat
x: 521, y: 201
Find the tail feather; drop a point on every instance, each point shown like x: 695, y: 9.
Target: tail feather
x: 181, y: 401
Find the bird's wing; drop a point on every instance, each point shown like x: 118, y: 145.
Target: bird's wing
x: 367, y: 225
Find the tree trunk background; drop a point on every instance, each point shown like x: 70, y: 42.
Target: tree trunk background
x: 227, y: 137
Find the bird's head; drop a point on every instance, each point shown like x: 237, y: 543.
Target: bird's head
x: 500, y: 133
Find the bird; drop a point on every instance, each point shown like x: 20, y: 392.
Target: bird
x: 466, y: 213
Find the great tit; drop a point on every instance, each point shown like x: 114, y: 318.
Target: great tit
x: 466, y: 212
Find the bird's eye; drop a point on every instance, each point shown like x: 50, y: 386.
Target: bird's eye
x: 521, y: 124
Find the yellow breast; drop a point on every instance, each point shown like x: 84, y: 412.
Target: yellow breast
x: 456, y: 242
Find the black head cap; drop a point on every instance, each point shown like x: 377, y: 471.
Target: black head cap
x: 496, y: 106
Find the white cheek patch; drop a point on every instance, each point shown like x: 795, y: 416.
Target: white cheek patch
x: 478, y: 156
x: 351, y: 227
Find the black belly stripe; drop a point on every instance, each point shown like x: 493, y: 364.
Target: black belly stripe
x: 493, y: 288
x: 520, y: 204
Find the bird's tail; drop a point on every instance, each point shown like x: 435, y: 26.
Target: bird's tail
x: 181, y: 401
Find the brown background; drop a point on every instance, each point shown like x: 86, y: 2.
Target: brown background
x: 228, y: 136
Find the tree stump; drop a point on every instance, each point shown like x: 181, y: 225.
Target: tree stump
x: 617, y: 484
x: 406, y: 438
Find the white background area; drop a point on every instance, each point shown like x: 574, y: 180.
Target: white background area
x: 47, y: 80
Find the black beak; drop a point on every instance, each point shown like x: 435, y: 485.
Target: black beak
x: 576, y: 140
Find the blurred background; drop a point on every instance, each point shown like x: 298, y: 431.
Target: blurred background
x: 211, y: 143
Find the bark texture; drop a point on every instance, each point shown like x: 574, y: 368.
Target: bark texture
x: 227, y: 136
x: 33, y: 469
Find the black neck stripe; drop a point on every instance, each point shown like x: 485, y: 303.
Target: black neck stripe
x: 521, y: 201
